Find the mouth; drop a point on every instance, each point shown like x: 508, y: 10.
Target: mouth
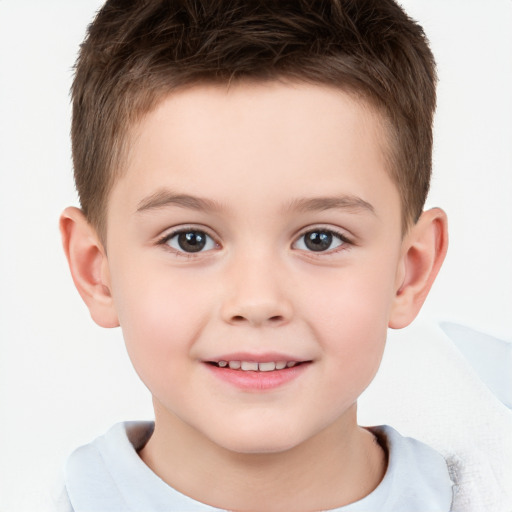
x: 255, y: 366
x: 255, y: 374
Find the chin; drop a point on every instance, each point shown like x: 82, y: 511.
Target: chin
x: 265, y: 440
x: 246, y: 447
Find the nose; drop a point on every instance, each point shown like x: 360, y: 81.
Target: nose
x: 256, y: 294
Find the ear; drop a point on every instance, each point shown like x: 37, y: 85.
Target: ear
x: 423, y: 252
x: 89, y: 266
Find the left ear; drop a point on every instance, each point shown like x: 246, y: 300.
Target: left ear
x: 423, y: 251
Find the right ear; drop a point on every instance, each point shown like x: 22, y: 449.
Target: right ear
x: 88, y: 263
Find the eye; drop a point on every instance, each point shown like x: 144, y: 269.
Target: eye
x: 190, y: 241
x: 320, y: 240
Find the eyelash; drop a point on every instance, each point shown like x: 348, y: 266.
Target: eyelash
x: 343, y: 239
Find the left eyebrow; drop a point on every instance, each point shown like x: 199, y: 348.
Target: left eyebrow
x: 165, y: 198
x: 353, y: 204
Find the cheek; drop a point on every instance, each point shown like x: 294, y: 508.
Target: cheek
x: 354, y: 300
x: 161, y: 318
x: 350, y: 317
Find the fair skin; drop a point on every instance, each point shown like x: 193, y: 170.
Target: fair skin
x: 295, y: 255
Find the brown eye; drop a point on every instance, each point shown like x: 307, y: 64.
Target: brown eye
x: 320, y: 240
x: 190, y: 241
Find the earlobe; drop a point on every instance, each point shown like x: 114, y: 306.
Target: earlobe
x: 424, y: 251
x: 89, y: 266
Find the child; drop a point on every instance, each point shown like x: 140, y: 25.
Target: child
x: 252, y: 177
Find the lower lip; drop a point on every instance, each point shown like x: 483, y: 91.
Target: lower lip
x: 258, y: 381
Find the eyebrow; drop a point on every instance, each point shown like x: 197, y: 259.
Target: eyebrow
x: 345, y: 202
x: 164, y: 198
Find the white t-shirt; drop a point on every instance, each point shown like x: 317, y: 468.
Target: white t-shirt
x: 108, y: 475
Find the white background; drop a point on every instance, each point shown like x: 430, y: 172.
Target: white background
x: 63, y: 380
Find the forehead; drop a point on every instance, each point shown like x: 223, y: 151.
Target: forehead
x: 279, y: 140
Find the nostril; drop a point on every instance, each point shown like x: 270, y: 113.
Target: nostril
x: 273, y: 319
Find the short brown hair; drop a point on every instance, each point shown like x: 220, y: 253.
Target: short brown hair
x: 137, y: 51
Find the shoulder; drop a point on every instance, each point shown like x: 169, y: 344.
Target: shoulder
x: 417, y: 477
x: 406, y: 454
x: 93, y: 470
x: 108, y: 474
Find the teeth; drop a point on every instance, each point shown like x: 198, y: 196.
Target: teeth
x: 266, y: 367
x: 253, y: 366
x: 249, y: 366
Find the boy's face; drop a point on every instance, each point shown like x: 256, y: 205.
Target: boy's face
x: 255, y: 224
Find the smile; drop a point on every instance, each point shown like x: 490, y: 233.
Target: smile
x: 254, y: 366
x: 248, y: 374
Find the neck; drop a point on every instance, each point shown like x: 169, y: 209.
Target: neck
x: 340, y: 465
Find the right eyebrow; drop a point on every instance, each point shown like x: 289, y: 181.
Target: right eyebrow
x: 164, y: 198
